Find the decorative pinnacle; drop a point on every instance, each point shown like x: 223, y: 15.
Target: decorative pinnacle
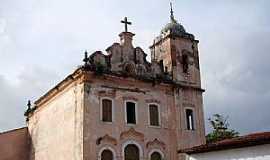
x: 85, y: 57
x: 28, y: 105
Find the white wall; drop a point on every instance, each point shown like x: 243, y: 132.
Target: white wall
x: 261, y: 152
x: 56, y: 127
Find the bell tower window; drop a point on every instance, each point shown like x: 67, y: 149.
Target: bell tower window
x: 189, y: 119
x: 185, y: 63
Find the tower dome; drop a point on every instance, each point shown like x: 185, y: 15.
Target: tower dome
x: 175, y: 28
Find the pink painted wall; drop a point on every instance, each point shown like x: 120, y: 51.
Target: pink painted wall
x: 14, y: 145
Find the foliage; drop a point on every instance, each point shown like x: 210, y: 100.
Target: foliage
x: 220, y: 129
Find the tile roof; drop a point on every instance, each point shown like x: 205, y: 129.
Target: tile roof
x: 238, y: 142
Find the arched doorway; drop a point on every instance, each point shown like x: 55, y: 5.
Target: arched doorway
x: 106, y: 155
x: 132, y: 152
x: 156, y: 156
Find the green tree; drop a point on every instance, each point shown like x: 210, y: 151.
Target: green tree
x: 220, y: 130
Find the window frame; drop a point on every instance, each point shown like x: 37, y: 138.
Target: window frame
x: 136, y: 112
x: 101, y: 109
x: 193, y: 118
x: 106, y: 148
x: 158, y: 151
x: 185, y: 65
x: 125, y: 144
x: 159, y: 115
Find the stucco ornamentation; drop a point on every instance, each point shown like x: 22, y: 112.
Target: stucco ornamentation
x: 188, y: 104
x: 129, y: 68
x: 156, y: 143
x: 106, y: 139
x: 152, y: 101
x: 107, y: 93
x: 130, y: 98
x: 132, y: 133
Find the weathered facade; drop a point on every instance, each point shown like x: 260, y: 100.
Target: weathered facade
x: 120, y: 106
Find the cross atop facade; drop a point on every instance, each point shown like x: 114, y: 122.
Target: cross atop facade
x: 126, y: 22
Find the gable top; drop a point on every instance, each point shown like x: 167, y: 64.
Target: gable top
x: 124, y: 59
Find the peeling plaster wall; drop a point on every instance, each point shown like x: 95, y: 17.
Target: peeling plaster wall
x: 169, y: 133
x: 56, y: 126
x: 189, y: 99
x: 92, y: 117
x: 178, y: 47
x: 171, y: 51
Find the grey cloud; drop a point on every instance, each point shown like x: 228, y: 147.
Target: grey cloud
x: 42, y: 41
x: 239, y: 86
x: 30, y: 84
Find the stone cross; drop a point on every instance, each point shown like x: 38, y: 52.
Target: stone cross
x: 126, y: 22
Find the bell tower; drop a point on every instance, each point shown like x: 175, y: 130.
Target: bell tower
x: 178, y: 51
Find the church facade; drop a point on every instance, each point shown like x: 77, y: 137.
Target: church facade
x: 119, y: 106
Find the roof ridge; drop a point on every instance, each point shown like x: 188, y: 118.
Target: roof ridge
x: 12, y: 130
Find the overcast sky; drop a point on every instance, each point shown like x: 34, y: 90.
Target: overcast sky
x: 42, y: 41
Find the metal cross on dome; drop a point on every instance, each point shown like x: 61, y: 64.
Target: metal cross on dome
x: 126, y: 22
x: 172, y: 16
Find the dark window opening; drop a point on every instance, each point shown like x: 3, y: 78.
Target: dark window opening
x: 156, y: 156
x: 107, y: 155
x: 161, y: 64
x: 131, y: 113
x: 132, y: 152
x: 106, y: 110
x: 185, y: 63
x: 189, y: 119
x: 154, y: 115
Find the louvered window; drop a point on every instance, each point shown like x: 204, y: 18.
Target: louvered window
x: 107, y: 110
x: 154, y: 115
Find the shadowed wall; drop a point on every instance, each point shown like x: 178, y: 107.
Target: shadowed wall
x: 14, y: 145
